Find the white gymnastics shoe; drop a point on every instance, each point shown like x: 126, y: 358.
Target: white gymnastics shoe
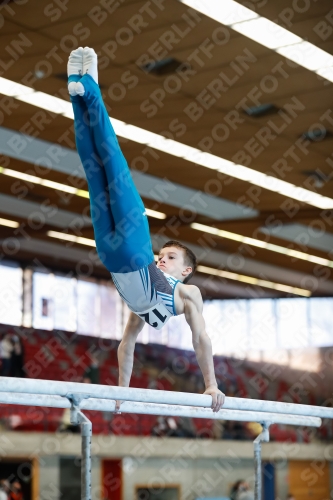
x: 90, y: 63
x: 75, y: 70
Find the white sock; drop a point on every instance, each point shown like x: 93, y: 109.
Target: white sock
x: 76, y: 88
x: 79, y: 89
x: 90, y: 63
x: 72, y: 88
x: 75, y: 62
x: 75, y: 67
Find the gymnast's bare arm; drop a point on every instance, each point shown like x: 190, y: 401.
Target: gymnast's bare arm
x: 126, y: 350
x: 193, y: 306
x: 190, y: 303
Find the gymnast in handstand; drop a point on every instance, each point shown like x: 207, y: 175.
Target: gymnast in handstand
x: 153, y: 292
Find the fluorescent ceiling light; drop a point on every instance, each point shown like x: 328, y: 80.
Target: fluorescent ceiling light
x: 262, y: 244
x: 220, y: 164
x: 178, y: 149
x: 253, y: 281
x: 133, y: 133
x: 48, y: 102
x: 326, y: 73
x: 285, y: 188
x: 8, y: 223
x: 224, y: 11
x: 166, y: 145
x: 63, y: 187
x: 307, y: 55
x: 267, y: 33
x: 69, y: 114
x: 154, y: 213
x: 44, y: 182
x: 72, y: 238
x: 13, y: 89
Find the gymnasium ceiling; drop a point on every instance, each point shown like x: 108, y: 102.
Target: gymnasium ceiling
x: 210, y: 67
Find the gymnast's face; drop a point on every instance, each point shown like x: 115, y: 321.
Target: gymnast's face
x: 171, y: 261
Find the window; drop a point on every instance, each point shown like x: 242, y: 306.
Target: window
x: 262, y: 324
x: 42, y: 300
x: 11, y: 289
x: 64, y: 299
x: 88, y: 308
x: 179, y: 333
x: 271, y: 330
x: 53, y: 302
x: 110, y: 310
x: 227, y: 325
x: 292, y: 323
x: 321, y: 322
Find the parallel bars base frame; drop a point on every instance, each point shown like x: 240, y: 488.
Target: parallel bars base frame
x: 77, y: 397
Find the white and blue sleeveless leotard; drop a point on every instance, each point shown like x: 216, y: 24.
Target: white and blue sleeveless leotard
x: 149, y: 293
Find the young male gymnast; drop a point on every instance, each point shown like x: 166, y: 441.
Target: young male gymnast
x: 153, y: 292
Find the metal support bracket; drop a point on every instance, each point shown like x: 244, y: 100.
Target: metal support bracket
x: 75, y: 400
x: 262, y: 438
x: 77, y: 417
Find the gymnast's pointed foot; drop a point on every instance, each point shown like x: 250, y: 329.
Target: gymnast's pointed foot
x: 75, y: 72
x: 90, y: 63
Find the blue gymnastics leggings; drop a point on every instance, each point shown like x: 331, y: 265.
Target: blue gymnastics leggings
x: 120, y: 224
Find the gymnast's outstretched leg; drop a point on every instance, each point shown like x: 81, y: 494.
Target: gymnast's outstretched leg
x: 122, y: 232
x: 101, y: 215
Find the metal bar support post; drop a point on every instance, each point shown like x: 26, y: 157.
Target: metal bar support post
x: 77, y: 417
x: 263, y: 437
x: 86, y: 433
